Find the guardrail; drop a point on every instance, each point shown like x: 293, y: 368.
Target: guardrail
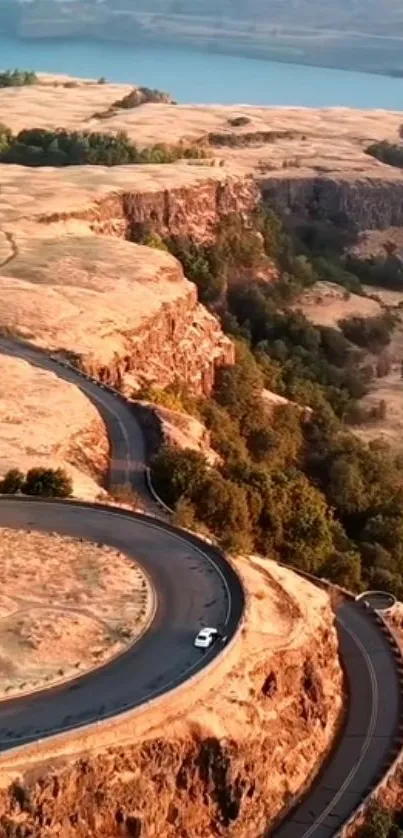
x: 396, y: 751
x: 395, y: 754
x: 234, y: 629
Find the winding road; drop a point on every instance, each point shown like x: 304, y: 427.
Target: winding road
x: 196, y: 586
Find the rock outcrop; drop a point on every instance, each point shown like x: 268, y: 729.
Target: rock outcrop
x: 70, y: 282
x: 363, y: 203
x: 125, y: 313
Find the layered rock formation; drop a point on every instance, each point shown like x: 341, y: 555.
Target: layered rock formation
x: 226, y: 759
x: 125, y: 313
x: 364, y: 203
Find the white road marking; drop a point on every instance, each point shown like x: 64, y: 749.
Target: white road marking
x: 367, y: 740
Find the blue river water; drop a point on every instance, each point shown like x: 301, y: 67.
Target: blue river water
x: 193, y: 76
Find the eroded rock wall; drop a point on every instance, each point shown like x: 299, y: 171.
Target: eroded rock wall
x: 367, y: 203
x: 191, y: 787
x: 227, y: 758
x: 182, y: 341
x: 192, y: 210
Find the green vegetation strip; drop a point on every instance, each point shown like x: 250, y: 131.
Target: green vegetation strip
x: 289, y: 482
x: 40, y: 147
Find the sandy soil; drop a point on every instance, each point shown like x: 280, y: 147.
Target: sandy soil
x: 86, y: 294
x: 54, y: 626
x: 333, y: 137
x: 326, y: 303
x: 45, y: 421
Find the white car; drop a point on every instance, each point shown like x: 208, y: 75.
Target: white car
x: 205, y: 638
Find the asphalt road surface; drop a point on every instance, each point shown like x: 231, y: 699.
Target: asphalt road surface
x: 364, y: 749
x: 195, y: 586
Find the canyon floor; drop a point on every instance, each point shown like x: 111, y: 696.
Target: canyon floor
x: 58, y: 625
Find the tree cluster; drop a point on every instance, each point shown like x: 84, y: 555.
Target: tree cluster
x: 17, y: 78
x: 372, y: 333
x: 41, y: 482
x: 256, y: 497
x: 306, y: 491
x: 386, y: 152
x: 381, y: 823
x: 41, y: 147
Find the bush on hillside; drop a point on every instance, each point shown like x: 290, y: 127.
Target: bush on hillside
x: 44, y: 482
x: 17, y: 78
x: 48, y: 483
x: 386, y: 152
x: 12, y: 482
x: 373, y: 333
x: 40, y: 147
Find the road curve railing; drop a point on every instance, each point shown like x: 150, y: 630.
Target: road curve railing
x: 389, y: 766
x: 393, y: 754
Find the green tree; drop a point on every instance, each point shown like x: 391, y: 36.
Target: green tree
x: 12, y: 482
x: 223, y: 506
x: 343, y: 569
x: 296, y: 522
x: 48, y: 483
x: 178, y: 473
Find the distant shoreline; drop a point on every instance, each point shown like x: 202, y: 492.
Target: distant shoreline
x: 205, y: 75
x: 225, y: 48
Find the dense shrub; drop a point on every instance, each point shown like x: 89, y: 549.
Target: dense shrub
x: 48, y: 483
x: 178, y: 473
x: 40, y: 147
x: 12, y: 482
x: 380, y: 823
x: 384, y: 271
x: 17, y: 78
x: 45, y: 482
x: 239, y: 121
x: 387, y: 152
x: 373, y: 333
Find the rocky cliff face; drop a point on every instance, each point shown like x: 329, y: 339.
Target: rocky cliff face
x: 190, y: 210
x: 181, y: 341
x: 230, y: 760
x: 366, y: 203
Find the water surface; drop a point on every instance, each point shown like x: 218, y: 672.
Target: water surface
x: 193, y: 76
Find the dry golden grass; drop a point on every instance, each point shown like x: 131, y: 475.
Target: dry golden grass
x: 330, y: 139
x: 60, y: 620
x: 45, y: 421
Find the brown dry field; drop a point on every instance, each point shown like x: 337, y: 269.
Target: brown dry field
x: 333, y: 137
x: 45, y: 421
x: 326, y: 304
x: 57, y: 625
